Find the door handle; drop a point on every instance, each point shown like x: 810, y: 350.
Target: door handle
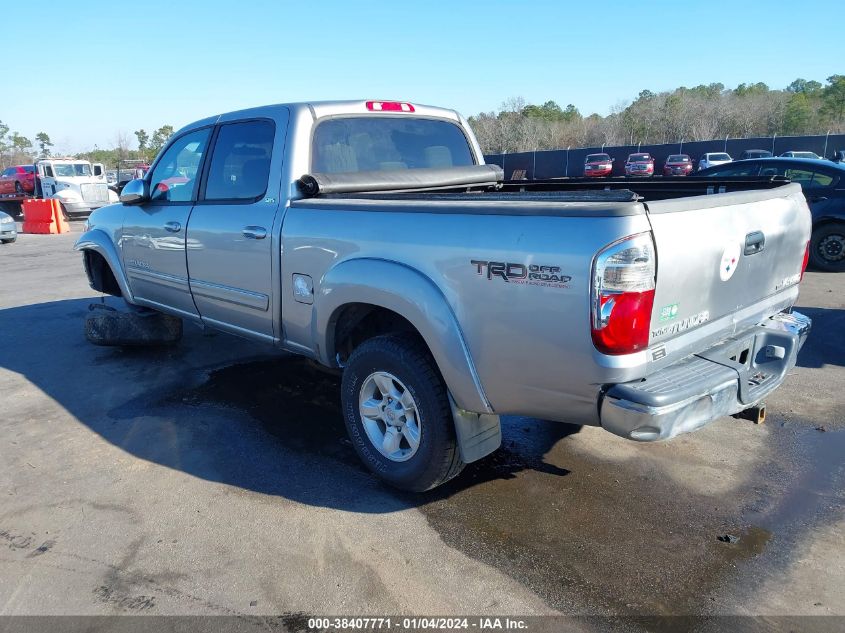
x: 754, y: 243
x: 173, y: 227
x: 254, y: 232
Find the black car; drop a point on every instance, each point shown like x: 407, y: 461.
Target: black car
x: 823, y: 184
x: 755, y: 153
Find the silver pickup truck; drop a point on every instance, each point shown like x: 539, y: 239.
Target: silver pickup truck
x: 371, y: 237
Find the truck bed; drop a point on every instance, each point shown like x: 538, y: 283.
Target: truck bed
x: 484, y: 183
x: 514, y: 329
x: 577, y: 197
x: 655, y: 188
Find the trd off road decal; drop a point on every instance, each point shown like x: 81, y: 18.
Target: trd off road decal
x: 530, y: 274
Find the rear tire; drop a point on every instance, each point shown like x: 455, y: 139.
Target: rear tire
x: 404, y: 364
x: 827, y: 247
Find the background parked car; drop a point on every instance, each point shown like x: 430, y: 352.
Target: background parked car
x: 755, y: 153
x: 639, y: 165
x: 598, y: 166
x: 677, y: 165
x: 8, y: 228
x: 823, y: 184
x: 19, y: 179
x: 792, y: 154
x: 712, y: 159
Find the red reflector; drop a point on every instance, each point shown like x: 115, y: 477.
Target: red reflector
x: 806, y: 260
x: 627, y: 327
x: 389, y: 106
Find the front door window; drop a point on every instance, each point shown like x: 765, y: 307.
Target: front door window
x: 175, y: 176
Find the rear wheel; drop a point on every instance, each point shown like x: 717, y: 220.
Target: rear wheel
x: 827, y: 247
x: 397, y: 413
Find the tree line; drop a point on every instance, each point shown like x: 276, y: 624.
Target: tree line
x: 16, y: 149
x: 701, y: 113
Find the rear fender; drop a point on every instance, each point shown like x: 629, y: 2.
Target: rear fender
x: 415, y: 297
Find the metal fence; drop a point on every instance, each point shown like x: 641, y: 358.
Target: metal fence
x: 570, y: 162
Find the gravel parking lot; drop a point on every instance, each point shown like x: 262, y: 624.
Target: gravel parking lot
x: 214, y: 477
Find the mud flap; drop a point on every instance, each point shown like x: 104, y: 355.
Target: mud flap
x: 107, y: 326
x: 479, y: 434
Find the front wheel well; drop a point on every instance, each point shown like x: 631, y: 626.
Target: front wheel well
x: 355, y: 323
x: 100, y: 275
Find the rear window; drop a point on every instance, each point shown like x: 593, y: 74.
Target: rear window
x: 376, y: 143
x: 594, y: 158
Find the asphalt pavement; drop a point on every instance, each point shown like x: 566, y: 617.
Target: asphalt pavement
x: 214, y: 478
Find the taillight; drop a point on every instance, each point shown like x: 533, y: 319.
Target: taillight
x: 389, y: 106
x: 623, y: 295
x: 806, y: 261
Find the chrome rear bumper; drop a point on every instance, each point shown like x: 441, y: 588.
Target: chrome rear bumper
x: 726, y: 379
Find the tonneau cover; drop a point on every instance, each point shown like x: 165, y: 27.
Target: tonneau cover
x: 401, y: 179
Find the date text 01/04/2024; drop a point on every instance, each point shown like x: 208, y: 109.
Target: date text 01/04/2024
x: 408, y: 624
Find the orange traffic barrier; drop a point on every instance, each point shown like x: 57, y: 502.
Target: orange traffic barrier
x: 59, y: 217
x: 43, y: 216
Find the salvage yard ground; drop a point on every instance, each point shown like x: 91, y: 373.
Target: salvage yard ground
x: 214, y: 477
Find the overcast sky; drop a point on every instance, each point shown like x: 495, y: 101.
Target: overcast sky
x: 97, y: 68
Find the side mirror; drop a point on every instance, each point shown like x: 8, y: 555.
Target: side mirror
x: 135, y: 192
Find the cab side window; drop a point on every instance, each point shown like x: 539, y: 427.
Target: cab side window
x: 802, y: 176
x: 821, y: 179
x: 735, y: 170
x: 175, y: 176
x: 771, y: 170
x: 240, y: 162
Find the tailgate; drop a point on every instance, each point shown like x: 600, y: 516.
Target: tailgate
x: 723, y: 260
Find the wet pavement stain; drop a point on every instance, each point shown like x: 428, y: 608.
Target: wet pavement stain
x: 587, y: 535
x: 295, y: 400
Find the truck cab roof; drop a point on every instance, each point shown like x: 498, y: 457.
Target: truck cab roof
x: 321, y: 109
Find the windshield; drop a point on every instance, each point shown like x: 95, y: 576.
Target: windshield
x: 596, y: 158
x: 804, y: 155
x: 69, y: 170
x: 678, y: 158
x: 639, y: 157
x: 378, y: 143
x: 719, y: 157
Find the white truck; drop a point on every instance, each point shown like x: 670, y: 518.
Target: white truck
x: 80, y: 186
